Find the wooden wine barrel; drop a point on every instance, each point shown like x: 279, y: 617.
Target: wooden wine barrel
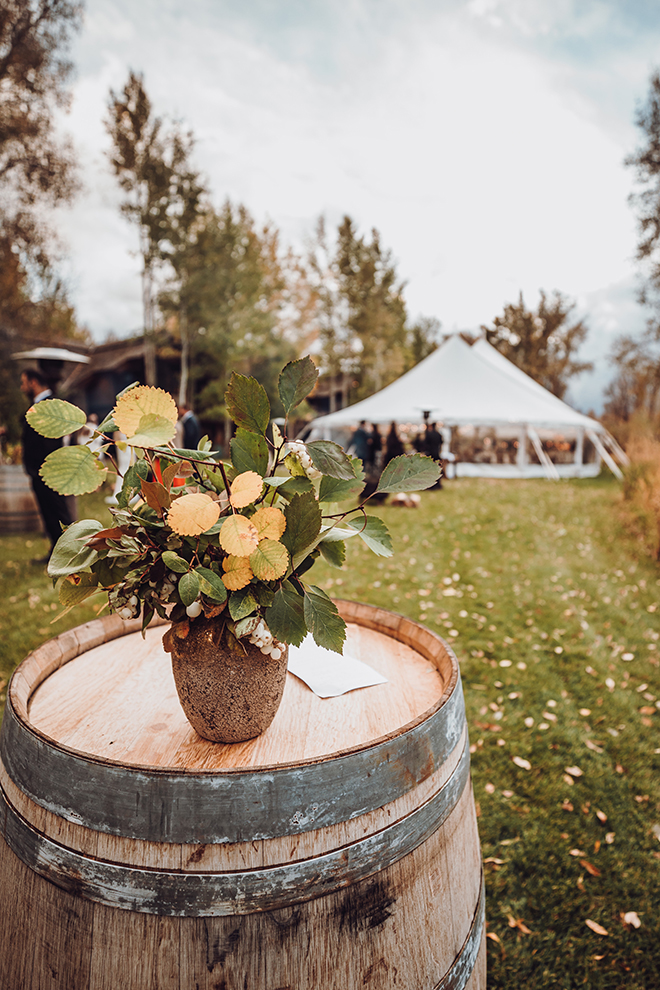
x: 339, y: 850
x: 19, y: 512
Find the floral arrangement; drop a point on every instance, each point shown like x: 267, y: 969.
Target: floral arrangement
x: 194, y: 535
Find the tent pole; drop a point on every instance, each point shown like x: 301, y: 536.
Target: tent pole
x: 521, y: 454
x: 550, y: 470
x: 609, y: 460
x: 578, y: 460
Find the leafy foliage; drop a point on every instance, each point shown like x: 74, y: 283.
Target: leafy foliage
x: 229, y: 544
x: 544, y: 343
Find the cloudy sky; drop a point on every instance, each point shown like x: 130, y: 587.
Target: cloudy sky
x: 483, y: 138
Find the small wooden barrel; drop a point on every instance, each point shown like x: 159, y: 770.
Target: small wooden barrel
x: 337, y: 851
x: 19, y: 512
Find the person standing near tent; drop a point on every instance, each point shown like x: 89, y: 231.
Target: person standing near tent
x: 393, y: 445
x: 375, y: 448
x: 54, y: 508
x: 359, y: 443
x: 189, y: 424
x: 433, y: 446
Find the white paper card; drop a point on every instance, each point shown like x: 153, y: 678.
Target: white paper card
x: 329, y: 674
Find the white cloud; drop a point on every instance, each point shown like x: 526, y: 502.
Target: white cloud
x: 487, y: 154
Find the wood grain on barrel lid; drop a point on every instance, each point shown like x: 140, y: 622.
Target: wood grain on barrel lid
x: 207, y: 793
x: 118, y: 701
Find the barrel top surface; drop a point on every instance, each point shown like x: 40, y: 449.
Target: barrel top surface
x: 117, y: 701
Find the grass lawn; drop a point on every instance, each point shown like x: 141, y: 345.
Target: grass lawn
x: 550, y: 605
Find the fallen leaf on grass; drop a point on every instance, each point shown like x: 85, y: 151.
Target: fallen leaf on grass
x: 568, y: 780
x: 585, y: 711
x: 647, y: 710
x: 493, y: 936
x: 574, y: 771
x: 495, y: 860
x: 631, y: 918
x: 576, y: 852
x: 590, y: 868
x: 489, y: 788
x: 519, y: 924
x: 609, y: 838
x: 522, y: 763
x: 566, y: 806
x: 601, y: 816
x: 595, y: 927
x: 592, y: 746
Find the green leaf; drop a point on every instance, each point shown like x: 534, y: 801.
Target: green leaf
x: 303, y: 522
x: 152, y: 430
x: 269, y: 561
x: 375, y: 534
x: 409, y: 473
x: 333, y: 552
x: 55, y: 418
x: 247, y: 403
x: 73, y: 470
x: 297, y: 380
x: 188, y: 587
x: 71, y: 593
x: 285, y: 618
x: 246, y: 626
x: 70, y: 554
x: 249, y: 452
x: 147, y: 616
x: 241, y: 603
x: 323, y: 620
x: 329, y: 458
x: 107, y: 574
x: 336, y: 490
x: 175, y: 563
x: 210, y: 584
x: 295, y: 486
x: 108, y: 426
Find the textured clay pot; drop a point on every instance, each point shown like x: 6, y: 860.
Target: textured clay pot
x: 228, y: 696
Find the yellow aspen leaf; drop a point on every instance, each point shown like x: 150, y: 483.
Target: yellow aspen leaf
x: 574, y: 771
x: 238, y: 573
x: 193, y: 514
x: 590, y: 868
x: 238, y: 536
x: 245, y: 488
x: 270, y: 522
x: 493, y: 936
x: 270, y: 560
x: 144, y: 400
x: 595, y: 927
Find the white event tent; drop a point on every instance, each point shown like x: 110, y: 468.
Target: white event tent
x: 459, y: 385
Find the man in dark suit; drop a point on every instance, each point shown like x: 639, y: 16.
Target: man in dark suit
x: 53, y: 507
x: 190, y: 427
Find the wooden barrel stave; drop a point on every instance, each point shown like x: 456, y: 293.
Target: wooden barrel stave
x: 290, y: 947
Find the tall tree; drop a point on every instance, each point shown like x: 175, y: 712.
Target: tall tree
x: 37, y: 170
x: 646, y: 200
x: 376, y: 309
x: 139, y: 160
x: 542, y: 343
x: 360, y: 310
x: 36, y: 164
x: 331, y: 312
x: 232, y: 295
x: 635, y: 389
